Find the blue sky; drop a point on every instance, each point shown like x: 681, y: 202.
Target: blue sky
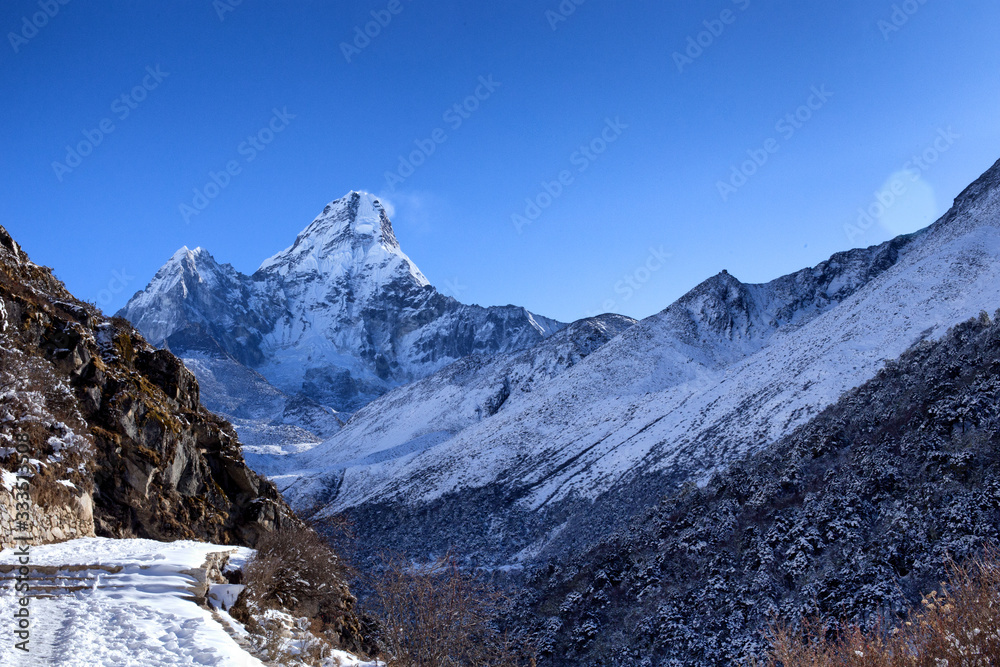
x: 643, y: 125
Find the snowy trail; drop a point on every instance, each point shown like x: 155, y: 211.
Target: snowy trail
x: 117, y: 603
x: 54, y: 625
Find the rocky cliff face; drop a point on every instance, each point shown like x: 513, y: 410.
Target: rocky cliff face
x: 114, y: 425
x: 340, y: 317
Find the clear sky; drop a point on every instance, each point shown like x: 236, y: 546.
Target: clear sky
x: 618, y: 99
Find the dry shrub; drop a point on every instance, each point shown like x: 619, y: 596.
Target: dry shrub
x: 294, y: 570
x: 440, y: 616
x: 958, y: 626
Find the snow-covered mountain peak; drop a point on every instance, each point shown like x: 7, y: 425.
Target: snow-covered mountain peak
x: 341, y: 316
x: 721, y: 305
x: 357, y: 214
x: 986, y: 187
x: 723, y: 287
x: 352, y: 236
x: 187, y: 255
x: 187, y: 268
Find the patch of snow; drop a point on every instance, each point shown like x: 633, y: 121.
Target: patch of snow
x: 223, y: 596
x: 8, y: 479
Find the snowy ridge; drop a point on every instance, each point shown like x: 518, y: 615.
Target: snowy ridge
x: 202, y: 305
x: 725, y: 371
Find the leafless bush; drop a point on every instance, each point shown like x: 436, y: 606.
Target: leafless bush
x: 294, y: 570
x: 957, y: 626
x: 439, y: 616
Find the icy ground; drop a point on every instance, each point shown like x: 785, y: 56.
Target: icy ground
x: 120, y: 603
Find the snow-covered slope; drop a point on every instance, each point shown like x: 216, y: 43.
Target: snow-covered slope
x: 719, y: 323
x: 726, y: 370
x: 340, y: 317
x: 124, y: 603
x: 428, y: 412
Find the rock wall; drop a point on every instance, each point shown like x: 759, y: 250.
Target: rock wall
x: 46, y: 524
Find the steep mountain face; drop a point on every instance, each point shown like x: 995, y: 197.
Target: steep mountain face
x: 340, y: 317
x: 724, y: 372
x: 115, y: 426
x: 855, y: 512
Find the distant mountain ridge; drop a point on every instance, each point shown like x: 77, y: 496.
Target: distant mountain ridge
x: 725, y: 371
x: 339, y: 318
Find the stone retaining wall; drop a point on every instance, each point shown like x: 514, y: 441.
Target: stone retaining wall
x: 47, y: 524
